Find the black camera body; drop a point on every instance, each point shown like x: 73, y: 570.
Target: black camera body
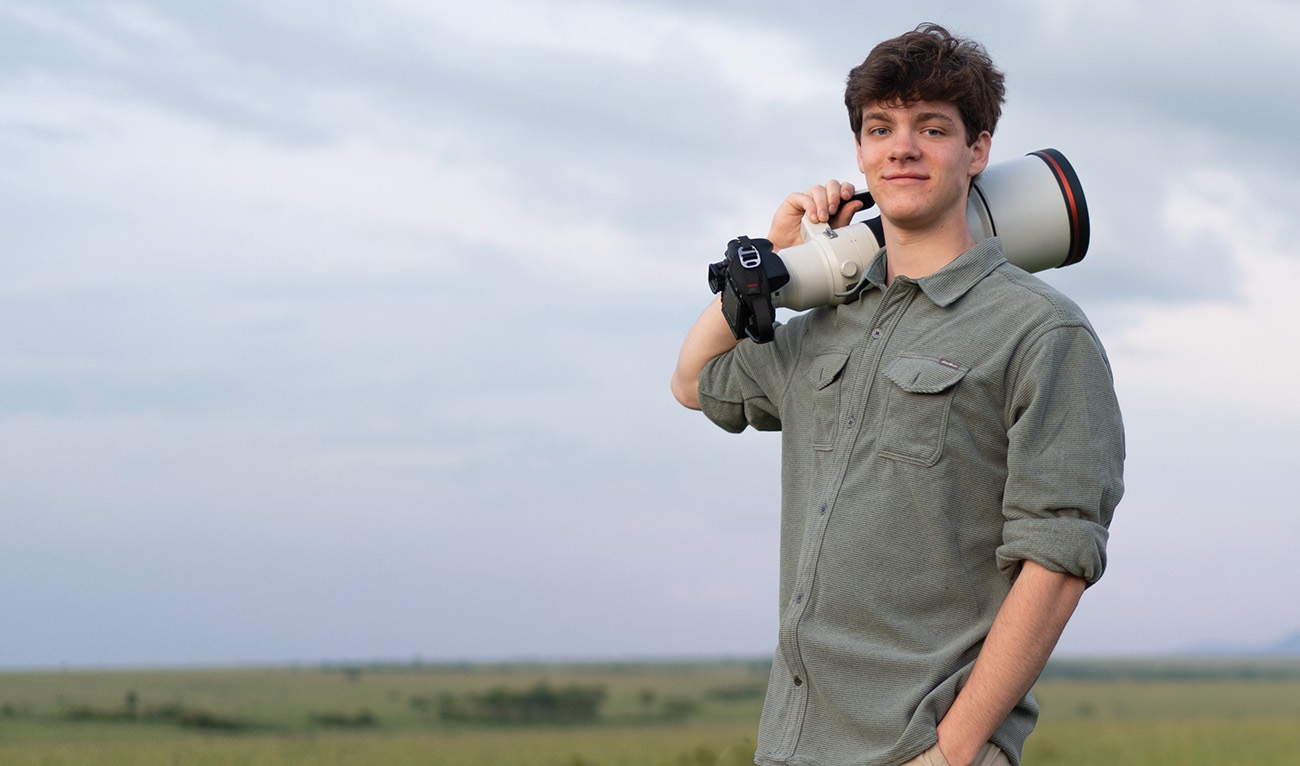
x: 746, y: 278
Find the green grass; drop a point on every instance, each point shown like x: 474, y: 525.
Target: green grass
x: 1170, y: 721
x: 642, y: 747
x: 1143, y: 714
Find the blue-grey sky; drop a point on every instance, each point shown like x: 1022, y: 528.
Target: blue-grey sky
x: 342, y: 330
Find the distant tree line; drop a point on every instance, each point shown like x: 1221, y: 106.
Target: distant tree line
x: 132, y: 711
x: 737, y: 692
x: 538, y: 704
x: 1174, y: 669
x: 363, y: 719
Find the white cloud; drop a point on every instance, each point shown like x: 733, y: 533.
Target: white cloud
x: 763, y: 64
x: 1168, y: 33
x: 348, y: 463
x: 69, y: 31
x: 173, y: 194
x: 146, y: 24
x: 1236, y: 353
x: 230, y: 199
x: 371, y: 175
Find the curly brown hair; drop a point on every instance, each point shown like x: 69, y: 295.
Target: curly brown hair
x: 929, y: 64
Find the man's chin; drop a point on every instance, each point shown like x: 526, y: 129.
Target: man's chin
x: 910, y: 220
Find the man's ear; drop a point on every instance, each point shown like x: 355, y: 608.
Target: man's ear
x: 980, y: 153
x: 857, y: 145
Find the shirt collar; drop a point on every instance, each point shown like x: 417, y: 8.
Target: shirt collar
x: 946, y: 285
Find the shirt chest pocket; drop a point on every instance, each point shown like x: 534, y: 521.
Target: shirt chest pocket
x: 917, y: 408
x: 825, y: 374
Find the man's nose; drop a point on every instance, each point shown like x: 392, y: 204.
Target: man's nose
x: 904, y: 145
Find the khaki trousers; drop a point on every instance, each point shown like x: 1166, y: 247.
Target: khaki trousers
x: 989, y: 755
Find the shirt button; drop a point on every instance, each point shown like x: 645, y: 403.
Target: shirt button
x: 822, y: 510
x: 798, y: 599
x: 798, y: 681
x: 851, y: 422
x: 877, y: 333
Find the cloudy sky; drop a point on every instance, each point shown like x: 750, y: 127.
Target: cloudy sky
x: 342, y: 330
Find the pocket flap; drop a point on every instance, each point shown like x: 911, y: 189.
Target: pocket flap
x: 925, y: 375
x: 826, y: 368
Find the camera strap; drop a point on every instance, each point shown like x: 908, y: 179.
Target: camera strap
x: 749, y: 278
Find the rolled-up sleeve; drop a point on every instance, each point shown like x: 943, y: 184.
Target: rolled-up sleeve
x: 1065, y: 456
x: 744, y: 386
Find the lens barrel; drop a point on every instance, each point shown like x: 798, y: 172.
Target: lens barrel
x: 1076, y: 205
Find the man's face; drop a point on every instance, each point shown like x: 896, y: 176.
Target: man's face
x: 918, y: 165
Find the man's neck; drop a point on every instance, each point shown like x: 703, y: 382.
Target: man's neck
x: 917, y: 254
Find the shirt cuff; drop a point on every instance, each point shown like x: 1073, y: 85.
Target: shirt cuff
x: 1062, y: 544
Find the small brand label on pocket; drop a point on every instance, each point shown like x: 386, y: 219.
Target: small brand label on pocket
x: 947, y: 363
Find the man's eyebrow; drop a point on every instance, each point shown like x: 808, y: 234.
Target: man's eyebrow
x: 883, y: 116
x: 935, y: 116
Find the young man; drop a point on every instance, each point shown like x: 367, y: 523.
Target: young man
x: 952, y: 449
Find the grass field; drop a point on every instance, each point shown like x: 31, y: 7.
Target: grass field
x: 652, y: 714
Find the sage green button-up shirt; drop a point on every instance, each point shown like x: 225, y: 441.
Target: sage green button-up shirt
x: 934, y: 435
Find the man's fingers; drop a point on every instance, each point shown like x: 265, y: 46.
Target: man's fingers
x: 824, y: 203
x: 819, y: 210
x: 826, y: 200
